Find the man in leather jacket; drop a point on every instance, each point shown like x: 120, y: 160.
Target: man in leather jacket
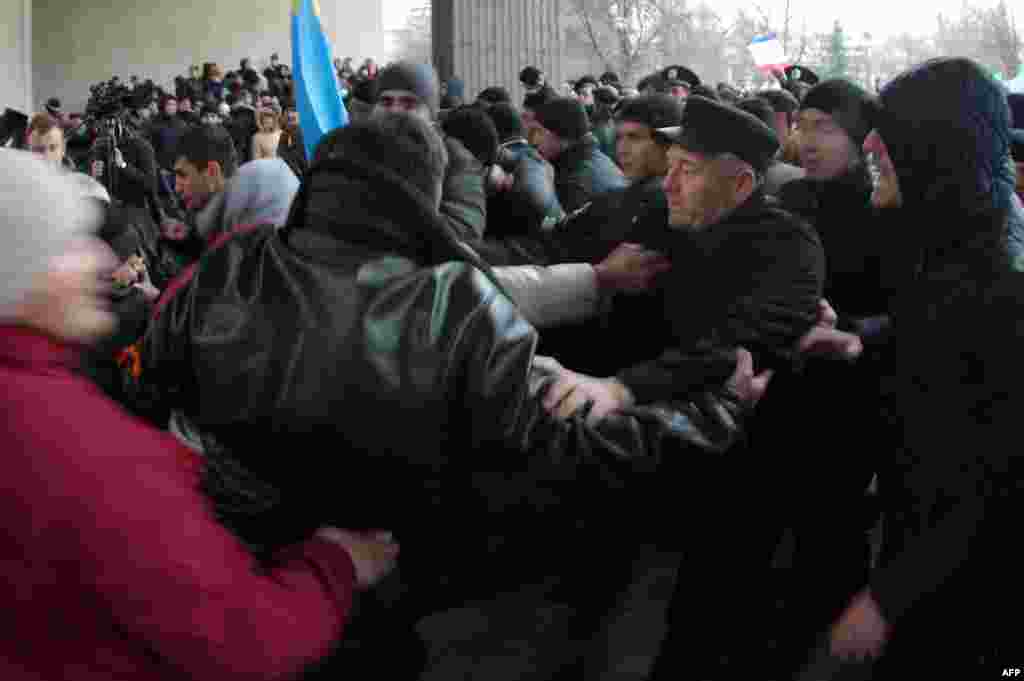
x: 581, y: 170
x: 414, y: 88
x: 531, y: 201
x: 363, y: 363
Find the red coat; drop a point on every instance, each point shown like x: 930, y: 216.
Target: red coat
x: 113, y: 565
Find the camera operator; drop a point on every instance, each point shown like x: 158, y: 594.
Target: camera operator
x: 125, y: 164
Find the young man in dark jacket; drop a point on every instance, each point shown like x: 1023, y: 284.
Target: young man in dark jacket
x: 581, y: 170
x: 367, y: 323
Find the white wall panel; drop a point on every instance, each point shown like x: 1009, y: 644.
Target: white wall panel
x: 16, y: 54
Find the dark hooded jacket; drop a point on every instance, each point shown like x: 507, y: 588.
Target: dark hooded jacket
x: 583, y: 172
x: 365, y: 343
x: 958, y: 329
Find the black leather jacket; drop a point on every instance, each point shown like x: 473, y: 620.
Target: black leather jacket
x: 583, y: 172
x: 357, y: 362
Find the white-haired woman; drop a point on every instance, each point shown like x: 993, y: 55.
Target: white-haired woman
x: 114, y: 565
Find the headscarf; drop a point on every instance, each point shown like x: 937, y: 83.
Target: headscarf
x: 261, y: 192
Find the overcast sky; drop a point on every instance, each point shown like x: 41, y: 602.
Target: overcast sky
x: 880, y: 17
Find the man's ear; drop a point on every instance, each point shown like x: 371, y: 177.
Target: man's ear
x: 213, y: 170
x: 745, y: 184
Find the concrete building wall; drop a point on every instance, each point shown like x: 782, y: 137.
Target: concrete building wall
x: 77, y: 43
x: 16, y: 55
x: 487, y: 42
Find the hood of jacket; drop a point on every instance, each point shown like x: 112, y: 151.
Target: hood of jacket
x: 946, y: 125
x: 357, y: 203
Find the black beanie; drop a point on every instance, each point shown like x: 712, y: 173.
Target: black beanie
x: 420, y: 79
x: 850, y: 106
x: 507, y: 122
x: 475, y: 129
x: 565, y: 117
x: 654, y: 111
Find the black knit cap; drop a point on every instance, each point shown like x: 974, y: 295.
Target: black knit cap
x: 475, y: 129
x: 654, y: 111
x: 848, y: 105
x: 507, y: 122
x: 565, y: 117
x: 710, y: 127
x: 585, y: 80
x: 530, y: 76
x: 418, y: 78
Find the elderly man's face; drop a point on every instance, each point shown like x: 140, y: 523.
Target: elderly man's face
x: 700, y: 190
x: 402, y: 101
x: 49, y: 146
x: 71, y: 301
x: 171, y: 107
x: 887, y: 188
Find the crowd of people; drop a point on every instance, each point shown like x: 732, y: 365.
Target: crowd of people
x: 444, y: 399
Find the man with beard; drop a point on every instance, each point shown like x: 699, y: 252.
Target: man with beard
x: 944, y: 595
x: 365, y: 323
x: 407, y: 87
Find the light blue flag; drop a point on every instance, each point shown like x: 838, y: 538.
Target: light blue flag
x: 317, y: 99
